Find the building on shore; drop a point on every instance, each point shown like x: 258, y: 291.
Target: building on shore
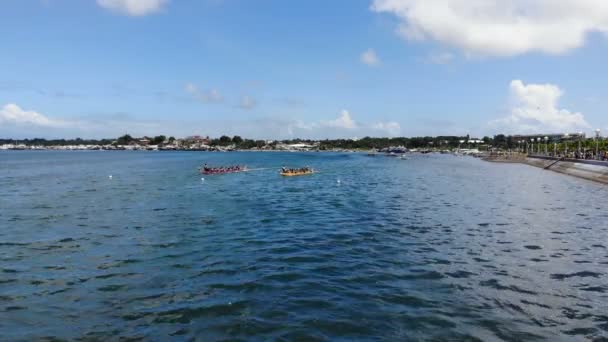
x: 195, y: 142
x: 554, y: 137
x: 298, y: 146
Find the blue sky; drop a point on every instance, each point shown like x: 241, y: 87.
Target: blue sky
x: 281, y: 69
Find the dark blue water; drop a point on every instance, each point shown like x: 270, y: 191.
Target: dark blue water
x: 434, y: 247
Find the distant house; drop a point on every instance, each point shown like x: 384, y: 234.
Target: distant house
x: 195, y: 142
x: 197, y: 139
x: 301, y: 146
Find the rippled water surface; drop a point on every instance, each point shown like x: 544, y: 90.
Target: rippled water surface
x: 434, y: 247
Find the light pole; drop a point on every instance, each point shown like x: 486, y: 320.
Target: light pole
x: 519, y: 146
x: 555, y: 149
x: 532, y: 145
x: 580, y: 137
x: 538, y: 145
x: 546, y: 145
x: 566, y: 137
x: 597, y: 144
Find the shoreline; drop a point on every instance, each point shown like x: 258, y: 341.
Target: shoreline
x: 180, y: 150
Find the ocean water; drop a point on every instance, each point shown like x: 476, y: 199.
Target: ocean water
x: 370, y: 248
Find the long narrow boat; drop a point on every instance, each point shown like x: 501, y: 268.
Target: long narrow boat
x: 297, y: 173
x: 215, y: 171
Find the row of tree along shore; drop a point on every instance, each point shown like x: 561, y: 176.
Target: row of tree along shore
x: 564, y: 144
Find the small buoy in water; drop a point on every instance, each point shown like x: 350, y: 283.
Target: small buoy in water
x: 339, y: 181
x: 110, y: 176
x: 202, y: 179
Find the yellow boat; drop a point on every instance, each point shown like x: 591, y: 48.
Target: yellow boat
x: 298, y: 173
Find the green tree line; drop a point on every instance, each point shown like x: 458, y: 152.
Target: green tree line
x: 501, y: 141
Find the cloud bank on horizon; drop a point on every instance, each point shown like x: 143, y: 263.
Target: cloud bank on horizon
x: 18, y: 120
x: 534, y: 109
x: 12, y: 114
x: 346, y: 125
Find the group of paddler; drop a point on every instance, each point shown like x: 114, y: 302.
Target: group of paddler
x: 296, y: 172
x: 224, y: 169
x: 238, y: 168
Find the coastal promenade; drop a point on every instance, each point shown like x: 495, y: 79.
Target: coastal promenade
x: 594, y: 170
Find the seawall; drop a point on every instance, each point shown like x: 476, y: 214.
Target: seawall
x: 587, y: 169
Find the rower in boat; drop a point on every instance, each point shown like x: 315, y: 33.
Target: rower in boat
x: 296, y: 172
x: 221, y: 170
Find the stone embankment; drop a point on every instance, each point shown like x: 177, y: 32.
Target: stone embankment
x: 587, y: 169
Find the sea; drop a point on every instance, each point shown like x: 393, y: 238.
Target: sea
x: 134, y: 245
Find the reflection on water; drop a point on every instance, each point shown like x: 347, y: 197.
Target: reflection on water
x: 430, y: 247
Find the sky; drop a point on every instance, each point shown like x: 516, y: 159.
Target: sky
x: 273, y: 69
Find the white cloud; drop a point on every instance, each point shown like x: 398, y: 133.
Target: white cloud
x: 133, y: 7
x: 498, y: 27
x: 344, y: 126
x: 208, y: 96
x: 12, y: 114
x: 344, y: 121
x: 391, y: 128
x: 441, y: 58
x: 247, y: 102
x: 370, y: 58
x: 19, y: 123
x: 535, y: 110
